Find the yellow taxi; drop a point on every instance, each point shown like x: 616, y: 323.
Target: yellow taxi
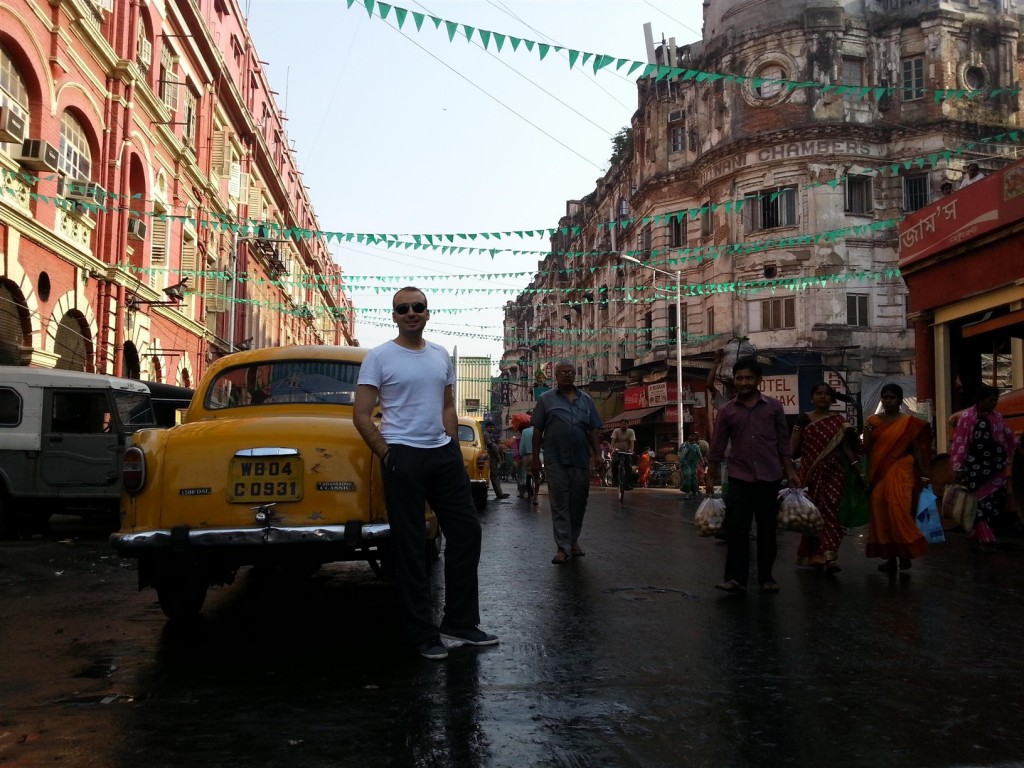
x: 474, y: 456
x: 265, y: 468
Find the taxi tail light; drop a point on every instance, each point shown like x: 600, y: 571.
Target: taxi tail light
x: 481, y: 460
x: 133, y: 470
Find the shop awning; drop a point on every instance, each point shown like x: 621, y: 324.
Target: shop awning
x: 1013, y: 322
x: 635, y: 416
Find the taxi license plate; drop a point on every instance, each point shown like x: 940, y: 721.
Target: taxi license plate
x: 265, y: 479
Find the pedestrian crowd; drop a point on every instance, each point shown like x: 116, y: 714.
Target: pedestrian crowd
x: 886, y: 495
x: 849, y: 481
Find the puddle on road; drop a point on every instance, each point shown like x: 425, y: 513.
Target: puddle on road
x: 98, y: 670
x: 650, y: 592
x: 92, y: 699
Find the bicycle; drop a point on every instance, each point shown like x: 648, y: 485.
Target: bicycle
x: 661, y: 474
x: 624, y: 470
x: 533, y: 486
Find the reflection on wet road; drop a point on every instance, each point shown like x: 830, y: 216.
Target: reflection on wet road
x: 624, y: 657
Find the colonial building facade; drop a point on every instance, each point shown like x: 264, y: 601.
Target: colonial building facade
x: 138, y: 142
x: 766, y: 176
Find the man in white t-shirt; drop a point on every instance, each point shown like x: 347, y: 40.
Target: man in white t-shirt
x: 972, y: 175
x: 421, y: 461
x: 623, y: 439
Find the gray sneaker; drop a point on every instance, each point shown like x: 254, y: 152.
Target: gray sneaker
x: 469, y: 636
x: 432, y: 649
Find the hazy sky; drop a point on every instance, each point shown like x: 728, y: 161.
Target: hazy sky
x: 402, y: 131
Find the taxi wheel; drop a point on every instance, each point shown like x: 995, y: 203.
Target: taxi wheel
x: 382, y: 563
x: 182, y: 599
x: 8, y: 522
x: 480, y: 499
x: 12, y: 522
x: 300, y: 570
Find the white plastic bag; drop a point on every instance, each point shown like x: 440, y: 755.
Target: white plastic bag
x: 710, y: 516
x: 798, y: 513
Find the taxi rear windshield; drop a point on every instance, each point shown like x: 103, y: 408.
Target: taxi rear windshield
x: 295, y: 381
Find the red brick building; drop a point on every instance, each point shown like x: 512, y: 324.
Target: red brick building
x: 134, y: 137
x: 961, y: 259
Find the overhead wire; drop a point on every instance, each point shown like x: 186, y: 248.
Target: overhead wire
x: 495, y: 99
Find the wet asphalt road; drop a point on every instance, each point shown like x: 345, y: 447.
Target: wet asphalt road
x: 625, y: 657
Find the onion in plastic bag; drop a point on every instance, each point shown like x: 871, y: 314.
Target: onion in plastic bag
x: 710, y: 516
x: 798, y: 513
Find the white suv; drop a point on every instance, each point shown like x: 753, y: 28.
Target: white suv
x: 62, y: 436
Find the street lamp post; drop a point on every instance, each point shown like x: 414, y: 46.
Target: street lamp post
x: 679, y: 341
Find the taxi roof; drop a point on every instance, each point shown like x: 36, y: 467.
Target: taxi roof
x: 283, y: 354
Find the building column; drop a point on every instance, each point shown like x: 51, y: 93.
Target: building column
x: 925, y: 354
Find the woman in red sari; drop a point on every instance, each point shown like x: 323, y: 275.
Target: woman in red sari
x: 893, y: 442
x: 824, y: 441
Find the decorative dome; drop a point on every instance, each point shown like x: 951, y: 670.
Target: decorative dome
x: 743, y: 16
x: 722, y: 17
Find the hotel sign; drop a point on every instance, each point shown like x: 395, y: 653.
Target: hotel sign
x: 784, y: 388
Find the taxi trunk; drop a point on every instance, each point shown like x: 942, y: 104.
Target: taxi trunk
x: 226, y: 473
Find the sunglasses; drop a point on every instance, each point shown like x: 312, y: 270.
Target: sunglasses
x: 403, y: 309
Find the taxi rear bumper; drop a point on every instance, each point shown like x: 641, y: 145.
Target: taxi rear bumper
x: 353, y: 534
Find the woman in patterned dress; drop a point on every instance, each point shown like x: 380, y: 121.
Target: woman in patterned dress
x: 983, y: 444
x: 824, y: 440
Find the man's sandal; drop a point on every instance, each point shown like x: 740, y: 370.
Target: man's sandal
x: 732, y: 587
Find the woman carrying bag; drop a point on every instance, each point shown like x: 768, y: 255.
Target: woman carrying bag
x: 825, y: 441
x: 983, y: 445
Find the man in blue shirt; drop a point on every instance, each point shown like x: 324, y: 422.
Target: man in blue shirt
x: 567, y: 427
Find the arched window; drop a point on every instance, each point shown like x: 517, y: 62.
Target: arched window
x: 770, y: 75
x: 13, y: 93
x: 144, y: 46
x: 75, y: 158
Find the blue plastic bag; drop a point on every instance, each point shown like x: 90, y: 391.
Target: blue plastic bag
x: 928, y: 520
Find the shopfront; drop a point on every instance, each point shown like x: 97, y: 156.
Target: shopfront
x: 961, y: 260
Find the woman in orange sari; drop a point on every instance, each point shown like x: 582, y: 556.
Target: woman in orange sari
x: 824, y: 442
x: 644, y: 467
x: 893, y: 443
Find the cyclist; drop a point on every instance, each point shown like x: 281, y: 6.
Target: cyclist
x: 623, y: 439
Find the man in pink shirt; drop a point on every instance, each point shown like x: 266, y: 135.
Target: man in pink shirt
x: 755, y: 428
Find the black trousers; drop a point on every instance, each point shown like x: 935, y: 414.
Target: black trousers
x: 438, y: 477
x: 746, y: 501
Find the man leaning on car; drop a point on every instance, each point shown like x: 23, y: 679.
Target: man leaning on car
x: 421, y: 461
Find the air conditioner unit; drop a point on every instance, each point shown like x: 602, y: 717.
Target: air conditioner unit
x: 677, y: 116
x: 80, y: 190
x: 39, y: 155
x: 12, y: 125
x: 136, y: 229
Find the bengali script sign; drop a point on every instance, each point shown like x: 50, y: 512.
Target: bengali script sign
x: 994, y: 202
